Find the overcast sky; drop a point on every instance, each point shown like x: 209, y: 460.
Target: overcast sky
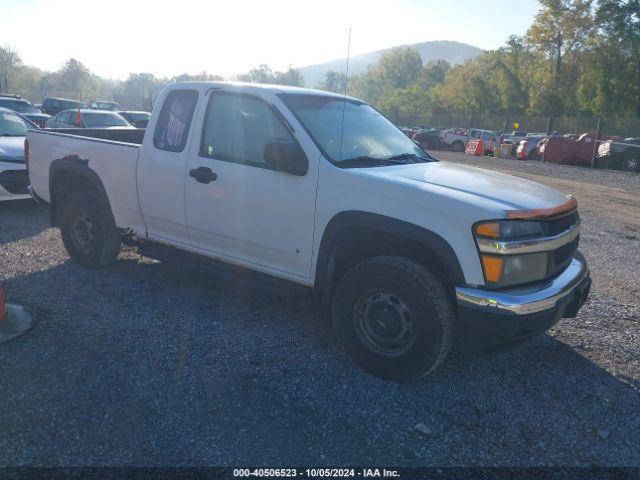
x: 116, y: 37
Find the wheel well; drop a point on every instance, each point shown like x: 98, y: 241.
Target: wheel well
x: 63, y: 184
x: 357, y: 244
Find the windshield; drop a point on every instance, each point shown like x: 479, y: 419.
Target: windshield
x: 366, y: 132
x: 138, y: 116
x: 72, y: 105
x: 19, y: 106
x: 104, y: 120
x: 107, y: 105
x: 11, y: 125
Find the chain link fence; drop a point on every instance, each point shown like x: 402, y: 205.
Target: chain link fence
x: 623, y: 127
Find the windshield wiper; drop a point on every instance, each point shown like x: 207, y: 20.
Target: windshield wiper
x: 410, y: 156
x: 367, y: 161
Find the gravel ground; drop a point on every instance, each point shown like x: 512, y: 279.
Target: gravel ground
x: 147, y: 364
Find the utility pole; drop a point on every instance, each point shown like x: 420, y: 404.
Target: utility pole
x: 595, y: 143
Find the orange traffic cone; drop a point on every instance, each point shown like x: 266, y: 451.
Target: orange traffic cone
x: 14, y: 320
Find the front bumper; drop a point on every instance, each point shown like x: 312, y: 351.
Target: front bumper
x: 489, y: 318
x: 13, y: 183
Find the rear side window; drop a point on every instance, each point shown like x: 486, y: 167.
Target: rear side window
x: 103, y: 120
x: 238, y: 127
x: 174, y: 121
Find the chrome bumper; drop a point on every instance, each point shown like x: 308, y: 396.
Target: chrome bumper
x: 529, y: 299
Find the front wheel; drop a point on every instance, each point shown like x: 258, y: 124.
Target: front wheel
x: 393, y: 317
x: 88, y: 230
x: 458, y: 146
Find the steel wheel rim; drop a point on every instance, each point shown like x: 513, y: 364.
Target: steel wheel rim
x: 384, y: 323
x: 83, y: 232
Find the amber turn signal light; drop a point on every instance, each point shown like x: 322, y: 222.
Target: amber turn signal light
x: 492, y: 267
x: 488, y: 230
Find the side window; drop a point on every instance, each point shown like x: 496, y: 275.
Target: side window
x: 238, y: 127
x: 475, y: 134
x: 64, y: 117
x: 486, y: 136
x: 174, y: 121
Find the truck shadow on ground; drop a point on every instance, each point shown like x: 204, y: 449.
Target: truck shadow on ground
x: 149, y: 363
x: 25, y: 217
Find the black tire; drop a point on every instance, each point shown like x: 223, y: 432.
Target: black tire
x: 88, y: 230
x: 396, y: 292
x: 457, y: 146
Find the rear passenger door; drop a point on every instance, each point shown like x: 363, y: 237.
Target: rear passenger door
x: 247, y: 211
x: 161, y: 168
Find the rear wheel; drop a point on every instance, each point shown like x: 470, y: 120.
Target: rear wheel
x: 393, y: 317
x: 88, y: 230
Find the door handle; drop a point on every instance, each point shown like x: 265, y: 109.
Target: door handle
x: 203, y: 175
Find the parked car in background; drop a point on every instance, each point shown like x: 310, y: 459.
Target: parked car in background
x: 14, y: 179
x: 619, y: 156
x: 428, y: 139
x: 87, y: 118
x: 25, y: 108
x: 527, y: 148
x: 456, y: 139
x: 570, y: 136
x: 406, y: 252
x: 513, y: 138
x: 563, y: 150
x: 54, y: 105
x: 105, y: 105
x: 136, y: 118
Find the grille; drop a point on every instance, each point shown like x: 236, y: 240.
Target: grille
x: 563, y: 255
x: 560, y: 258
x: 561, y: 224
x: 15, y: 181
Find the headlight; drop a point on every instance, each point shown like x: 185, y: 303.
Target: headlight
x: 509, y: 229
x: 501, y: 269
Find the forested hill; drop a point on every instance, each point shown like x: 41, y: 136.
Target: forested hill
x: 453, y: 52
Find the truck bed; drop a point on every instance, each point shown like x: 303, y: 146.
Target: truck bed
x: 111, y: 153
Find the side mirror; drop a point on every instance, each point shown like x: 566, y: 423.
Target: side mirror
x: 286, y: 156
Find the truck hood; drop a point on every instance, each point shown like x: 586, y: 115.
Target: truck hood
x: 11, y: 148
x: 513, y: 193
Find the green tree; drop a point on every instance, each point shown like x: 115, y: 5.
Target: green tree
x: 468, y: 88
x: 290, y: 76
x: 398, y: 68
x: 559, y: 29
x: 10, y: 61
x: 76, y: 79
x: 619, y: 46
x: 264, y: 74
x: 333, y: 82
x: 139, y: 90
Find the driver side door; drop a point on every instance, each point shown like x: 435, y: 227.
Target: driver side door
x: 245, y: 210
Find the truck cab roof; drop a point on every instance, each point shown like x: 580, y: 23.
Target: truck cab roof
x: 256, y: 88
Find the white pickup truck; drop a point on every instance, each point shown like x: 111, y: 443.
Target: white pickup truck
x: 406, y: 252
